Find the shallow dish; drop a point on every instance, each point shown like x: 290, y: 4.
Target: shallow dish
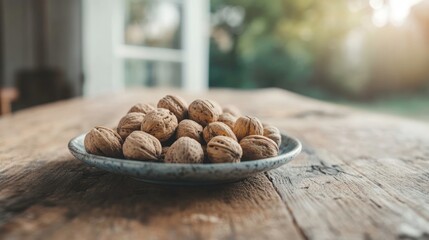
x: 187, y: 174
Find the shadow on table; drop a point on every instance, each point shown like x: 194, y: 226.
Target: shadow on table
x: 80, y: 190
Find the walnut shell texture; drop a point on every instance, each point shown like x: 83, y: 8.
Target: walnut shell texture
x: 228, y: 119
x: 222, y: 149
x: 142, y: 146
x: 176, y: 105
x: 104, y: 142
x: 217, y: 129
x: 190, y: 128
x: 130, y: 123
x: 258, y: 147
x: 273, y: 133
x: 142, y: 108
x: 204, y: 111
x: 185, y: 150
x: 245, y: 126
x: 160, y: 123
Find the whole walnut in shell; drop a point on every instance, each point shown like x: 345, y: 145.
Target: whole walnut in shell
x: 104, y: 142
x: 233, y: 110
x: 160, y: 123
x: 185, y: 150
x: 130, y: 123
x: 204, y: 111
x: 258, y: 147
x: 245, y: 126
x: 228, y: 119
x: 142, y: 108
x: 223, y: 149
x: 189, y: 128
x: 142, y: 146
x: 273, y: 133
x: 217, y: 129
x: 176, y: 105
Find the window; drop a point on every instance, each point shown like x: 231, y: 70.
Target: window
x: 145, y: 43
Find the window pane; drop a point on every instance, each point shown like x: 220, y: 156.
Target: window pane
x: 149, y: 73
x: 153, y: 23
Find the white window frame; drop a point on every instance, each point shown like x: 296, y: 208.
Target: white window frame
x: 105, y: 51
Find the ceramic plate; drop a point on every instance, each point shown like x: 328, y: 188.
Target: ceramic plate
x: 187, y: 174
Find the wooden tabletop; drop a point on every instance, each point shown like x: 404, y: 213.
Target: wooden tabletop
x: 360, y: 176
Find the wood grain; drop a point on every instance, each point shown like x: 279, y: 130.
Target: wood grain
x: 360, y: 176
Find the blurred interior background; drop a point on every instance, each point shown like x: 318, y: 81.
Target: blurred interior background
x: 372, y: 54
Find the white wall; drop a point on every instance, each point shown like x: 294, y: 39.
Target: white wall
x: 100, y: 64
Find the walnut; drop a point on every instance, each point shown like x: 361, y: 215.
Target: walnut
x: 185, y: 150
x: 222, y: 149
x: 217, y: 129
x: 233, y: 110
x: 104, y: 142
x: 160, y: 123
x: 142, y: 146
x: 164, y: 133
x: 228, y: 119
x: 204, y: 111
x: 189, y: 128
x: 258, y: 147
x: 245, y: 126
x: 176, y: 105
x: 129, y: 123
x: 142, y: 108
x: 273, y: 133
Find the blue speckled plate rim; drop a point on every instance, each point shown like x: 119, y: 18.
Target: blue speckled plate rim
x: 284, y: 158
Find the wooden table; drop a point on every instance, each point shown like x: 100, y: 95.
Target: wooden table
x: 360, y: 176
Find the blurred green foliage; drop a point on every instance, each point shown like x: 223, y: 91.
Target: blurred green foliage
x: 281, y: 43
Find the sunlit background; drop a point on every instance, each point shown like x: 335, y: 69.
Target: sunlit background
x: 369, y: 54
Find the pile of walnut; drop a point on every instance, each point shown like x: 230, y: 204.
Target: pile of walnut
x: 176, y: 133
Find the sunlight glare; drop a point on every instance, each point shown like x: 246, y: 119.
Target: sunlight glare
x: 376, y: 4
x: 393, y: 11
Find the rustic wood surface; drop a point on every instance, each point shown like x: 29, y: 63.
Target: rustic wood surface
x: 360, y: 176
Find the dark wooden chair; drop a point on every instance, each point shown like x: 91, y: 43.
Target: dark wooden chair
x: 7, y: 96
